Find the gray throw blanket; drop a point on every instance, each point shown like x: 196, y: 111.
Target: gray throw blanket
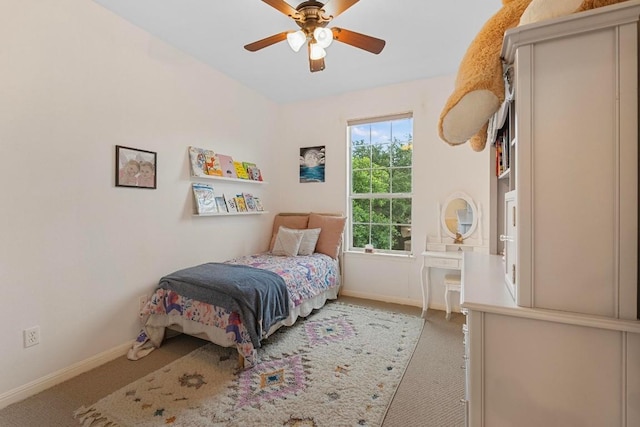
x: 259, y: 296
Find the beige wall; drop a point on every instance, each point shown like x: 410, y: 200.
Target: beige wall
x: 439, y: 171
x: 76, y: 252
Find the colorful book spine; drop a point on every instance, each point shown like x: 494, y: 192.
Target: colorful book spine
x: 197, y: 158
x: 258, y: 202
x: 232, y: 206
x: 221, y: 204
x: 249, y: 202
x: 241, y: 172
x: 242, y: 206
x: 205, y: 201
x: 212, y: 163
x: 227, y: 166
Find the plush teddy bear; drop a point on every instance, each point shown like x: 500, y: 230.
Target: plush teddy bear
x: 479, y: 86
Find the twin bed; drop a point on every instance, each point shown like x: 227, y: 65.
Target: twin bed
x: 242, y: 301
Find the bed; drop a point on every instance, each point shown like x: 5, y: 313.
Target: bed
x: 242, y: 301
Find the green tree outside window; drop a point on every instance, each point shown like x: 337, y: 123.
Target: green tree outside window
x: 381, y: 184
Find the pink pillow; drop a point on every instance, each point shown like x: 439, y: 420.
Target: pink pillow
x: 331, y: 235
x: 298, y: 222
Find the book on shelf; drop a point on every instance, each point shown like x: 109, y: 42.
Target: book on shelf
x: 212, y: 164
x: 254, y: 173
x: 197, y: 158
x: 258, y: 202
x: 249, y: 202
x: 204, y: 162
x: 241, y: 172
x: 221, y: 204
x: 205, y: 201
x: 227, y: 166
x: 242, y: 206
x: 498, y: 158
x: 232, y: 206
x: 503, y: 148
x: 246, y: 166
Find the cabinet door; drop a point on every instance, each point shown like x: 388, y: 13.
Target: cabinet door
x: 577, y: 162
x: 510, y: 241
x: 543, y: 373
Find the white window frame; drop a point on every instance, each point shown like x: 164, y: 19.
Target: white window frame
x: 351, y: 196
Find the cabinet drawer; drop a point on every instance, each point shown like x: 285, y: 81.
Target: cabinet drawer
x: 445, y: 263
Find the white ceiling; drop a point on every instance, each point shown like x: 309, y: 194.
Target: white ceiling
x: 424, y: 39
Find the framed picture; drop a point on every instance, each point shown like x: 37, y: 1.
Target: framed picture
x: 135, y: 168
x: 312, y: 164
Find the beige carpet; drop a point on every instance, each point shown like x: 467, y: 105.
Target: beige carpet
x: 428, y: 395
x: 340, y: 367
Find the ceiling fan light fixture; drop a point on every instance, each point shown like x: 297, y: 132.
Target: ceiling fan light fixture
x: 316, y: 51
x: 312, y: 17
x: 296, y: 39
x: 323, y: 36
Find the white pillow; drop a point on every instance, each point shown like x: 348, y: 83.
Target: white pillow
x: 309, y: 240
x: 287, y: 242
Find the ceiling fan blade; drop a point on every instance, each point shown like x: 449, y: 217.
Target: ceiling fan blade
x: 283, y: 7
x: 314, y: 64
x: 333, y: 8
x: 268, y: 41
x: 362, y: 41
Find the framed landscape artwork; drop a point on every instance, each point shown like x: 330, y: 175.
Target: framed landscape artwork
x: 312, y: 164
x: 135, y: 168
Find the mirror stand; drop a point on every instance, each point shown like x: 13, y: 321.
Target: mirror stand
x: 458, y: 219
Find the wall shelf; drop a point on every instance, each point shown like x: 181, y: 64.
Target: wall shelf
x: 231, y: 204
x: 222, y: 178
x: 232, y: 213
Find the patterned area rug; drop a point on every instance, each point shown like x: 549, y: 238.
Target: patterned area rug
x: 339, y: 367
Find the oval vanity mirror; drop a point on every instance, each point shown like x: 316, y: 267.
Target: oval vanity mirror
x: 459, y: 215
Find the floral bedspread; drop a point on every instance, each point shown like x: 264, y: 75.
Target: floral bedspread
x: 305, y: 277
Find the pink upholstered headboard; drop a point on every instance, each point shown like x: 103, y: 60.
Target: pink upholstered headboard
x: 330, y: 241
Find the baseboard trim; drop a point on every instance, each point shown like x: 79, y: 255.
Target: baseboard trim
x: 383, y: 298
x: 43, y: 383
x: 395, y: 300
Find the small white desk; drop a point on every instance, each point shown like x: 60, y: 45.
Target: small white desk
x: 451, y: 260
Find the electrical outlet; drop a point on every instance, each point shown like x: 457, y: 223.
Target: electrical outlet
x: 31, y: 336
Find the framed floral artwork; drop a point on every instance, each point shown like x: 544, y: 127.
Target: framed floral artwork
x: 135, y: 168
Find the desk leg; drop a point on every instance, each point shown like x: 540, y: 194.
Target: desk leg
x: 424, y: 278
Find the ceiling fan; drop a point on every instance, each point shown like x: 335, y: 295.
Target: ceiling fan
x: 312, y: 17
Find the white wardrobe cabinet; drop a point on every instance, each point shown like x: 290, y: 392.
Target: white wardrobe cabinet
x: 553, y: 336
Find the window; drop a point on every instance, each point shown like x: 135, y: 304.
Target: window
x: 380, y: 193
